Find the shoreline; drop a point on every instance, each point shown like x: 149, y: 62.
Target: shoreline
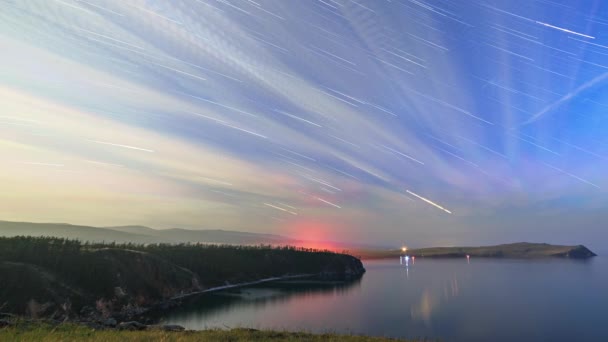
x: 107, y: 284
x: 492, y: 257
x: 518, y: 250
x: 149, y: 313
x: 237, y: 285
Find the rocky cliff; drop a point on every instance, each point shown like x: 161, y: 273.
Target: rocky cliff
x: 58, y: 278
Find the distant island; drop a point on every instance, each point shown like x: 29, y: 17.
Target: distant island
x: 512, y: 250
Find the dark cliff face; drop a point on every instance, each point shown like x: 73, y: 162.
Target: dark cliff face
x: 578, y: 252
x: 121, y: 278
x: 343, y: 267
x: 49, y: 277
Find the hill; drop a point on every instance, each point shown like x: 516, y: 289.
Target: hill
x: 145, y: 235
x: 60, y: 278
x: 69, y: 231
x: 140, y: 234
x: 178, y: 235
x: 513, y: 250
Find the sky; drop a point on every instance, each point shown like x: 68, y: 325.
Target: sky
x: 382, y: 122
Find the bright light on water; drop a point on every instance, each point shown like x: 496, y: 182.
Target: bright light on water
x: 558, y: 300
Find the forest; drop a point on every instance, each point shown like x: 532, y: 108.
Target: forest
x: 42, y: 276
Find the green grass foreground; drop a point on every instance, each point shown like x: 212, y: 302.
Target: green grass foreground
x: 72, y: 332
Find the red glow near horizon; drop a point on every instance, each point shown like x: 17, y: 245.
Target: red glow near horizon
x: 313, y: 234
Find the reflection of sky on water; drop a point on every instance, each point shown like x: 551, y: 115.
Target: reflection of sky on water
x: 239, y: 303
x: 486, y: 299
x: 432, y: 299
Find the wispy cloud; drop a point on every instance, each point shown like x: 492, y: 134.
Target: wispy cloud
x: 228, y: 114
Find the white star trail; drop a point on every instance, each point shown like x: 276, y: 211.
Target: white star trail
x: 403, y: 155
x: 279, y: 208
x: 297, y: 118
x: 44, y: 164
x: 216, y: 113
x: 428, y: 201
x: 328, y: 202
x: 564, y: 30
x: 573, y: 176
x: 123, y: 146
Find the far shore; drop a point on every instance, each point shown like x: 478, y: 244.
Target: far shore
x: 520, y: 250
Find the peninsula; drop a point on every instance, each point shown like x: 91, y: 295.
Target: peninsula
x: 513, y: 250
x: 106, y: 284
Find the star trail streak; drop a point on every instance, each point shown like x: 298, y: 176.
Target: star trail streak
x: 229, y: 114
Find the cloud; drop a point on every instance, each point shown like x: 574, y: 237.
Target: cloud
x: 211, y: 114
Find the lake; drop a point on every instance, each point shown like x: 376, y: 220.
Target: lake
x: 449, y: 299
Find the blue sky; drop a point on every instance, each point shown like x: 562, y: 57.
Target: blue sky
x: 403, y: 121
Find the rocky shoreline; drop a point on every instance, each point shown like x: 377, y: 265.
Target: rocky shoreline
x: 138, y: 318
x: 67, y: 280
x: 9, y: 320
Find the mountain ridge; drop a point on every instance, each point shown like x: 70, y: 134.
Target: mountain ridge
x: 140, y: 234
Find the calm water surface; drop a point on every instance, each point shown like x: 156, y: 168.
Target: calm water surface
x: 484, y: 300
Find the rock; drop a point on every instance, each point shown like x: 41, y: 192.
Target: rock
x: 580, y: 252
x: 110, y: 322
x: 94, y: 326
x: 87, y: 311
x: 132, y: 325
x: 5, y: 323
x: 129, y: 311
x: 172, y: 327
x: 166, y: 305
x: 119, y: 292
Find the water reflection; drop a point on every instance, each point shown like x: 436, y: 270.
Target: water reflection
x: 431, y: 300
x: 201, y: 309
x: 423, y: 310
x: 446, y: 299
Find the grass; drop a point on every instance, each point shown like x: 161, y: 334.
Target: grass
x: 72, y: 332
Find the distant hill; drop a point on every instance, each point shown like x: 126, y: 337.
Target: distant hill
x: 142, y: 230
x: 63, y: 230
x: 512, y: 250
x: 219, y: 236
x: 140, y: 234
